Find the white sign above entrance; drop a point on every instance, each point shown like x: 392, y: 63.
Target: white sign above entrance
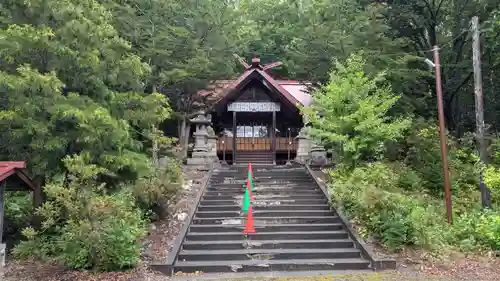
x: 253, y: 106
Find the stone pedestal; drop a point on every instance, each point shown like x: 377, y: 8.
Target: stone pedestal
x: 304, y: 147
x: 212, y: 148
x: 3, y: 250
x: 318, y: 155
x: 200, y: 150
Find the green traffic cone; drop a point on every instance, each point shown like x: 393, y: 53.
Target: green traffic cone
x: 246, y: 202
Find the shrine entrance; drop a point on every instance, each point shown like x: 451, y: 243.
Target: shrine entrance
x: 255, y: 126
x: 255, y: 119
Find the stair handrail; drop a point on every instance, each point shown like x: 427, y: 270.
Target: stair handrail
x: 377, y: 263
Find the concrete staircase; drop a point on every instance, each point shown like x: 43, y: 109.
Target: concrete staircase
x: 296, y: 230
x: 255, y: 157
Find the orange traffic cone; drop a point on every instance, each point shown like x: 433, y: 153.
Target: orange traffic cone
x: 250, y: 169
x: 249, y: 227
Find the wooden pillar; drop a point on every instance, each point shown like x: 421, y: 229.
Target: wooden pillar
x: 234, y: 137
x: 273, y: 137
x: 3, y: 187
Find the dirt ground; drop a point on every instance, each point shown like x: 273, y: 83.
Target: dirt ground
x: 411, y: 265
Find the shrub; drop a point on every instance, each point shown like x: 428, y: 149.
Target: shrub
x: 83, y: 226
x: 109, y: 237
x: 489, y: 229
x: 160, y: 189
x: 371, y: 195
x: 475, y: 230
x: 397, y: 216
x: 423, y: 156
x: 18, y: 210
x: 463, y: 233
x: 492, y: 181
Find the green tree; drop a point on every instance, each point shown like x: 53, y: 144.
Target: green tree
x: 350, y: 113
x: 187, y: 43
x: 71, y: 85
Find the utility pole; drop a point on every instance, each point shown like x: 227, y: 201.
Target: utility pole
x: 478, y: 97
x: 442, y: 135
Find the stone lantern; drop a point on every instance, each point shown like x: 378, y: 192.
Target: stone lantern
x: 200, y: 149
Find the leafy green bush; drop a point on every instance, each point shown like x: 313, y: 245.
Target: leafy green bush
x: 160, y: 189
x: 492, y: 180
x: 476, y: 230
x: 83, y: 226
x: 371, y: 195
x: 397, y: 217
x: 17, y: 210
x: 489, y: 229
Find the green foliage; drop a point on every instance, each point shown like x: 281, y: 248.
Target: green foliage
x: 157, y: 191
x: 489, y: 229
x: 373, y: 196
x: 476, y: 230
x: 492, y: 181
x: 423, y: 155
x: 350, y: 113
x: 18, y: 211
x: 84, y: 227
x: 18, y: 206
x: 72, y: 84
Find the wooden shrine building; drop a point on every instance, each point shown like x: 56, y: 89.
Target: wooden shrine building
x: 255, y: 117
x: 13, y: 178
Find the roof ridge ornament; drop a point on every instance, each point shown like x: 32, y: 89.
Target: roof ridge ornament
x: 256, y: 63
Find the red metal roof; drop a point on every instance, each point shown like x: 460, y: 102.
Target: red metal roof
x: 294, y: 91
x: 9, y: 168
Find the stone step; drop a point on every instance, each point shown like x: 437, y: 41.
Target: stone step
x: 258, y: 185
x: 253, y: 154
x: 256, y: 207
x: 283, y: 181
x: 254, y: 160
x: 284, y: 188
x: 282, y: 235
x: 267, y: 228
x: 295, y: 227
x: 275, y: 191
x: 243, y: 178
x: 258, y: 197
x: 262, y: 173
x: 268, y: 254
x: 262, y: 189
x: 269, y: 192
x: 271, y: 265
x: 267, y: 202
x: 268, y: 220
x: 265, y: 213
x: 241, y: 171
x: 268, y: 244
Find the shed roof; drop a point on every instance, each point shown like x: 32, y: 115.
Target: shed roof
x: 15, y: 168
